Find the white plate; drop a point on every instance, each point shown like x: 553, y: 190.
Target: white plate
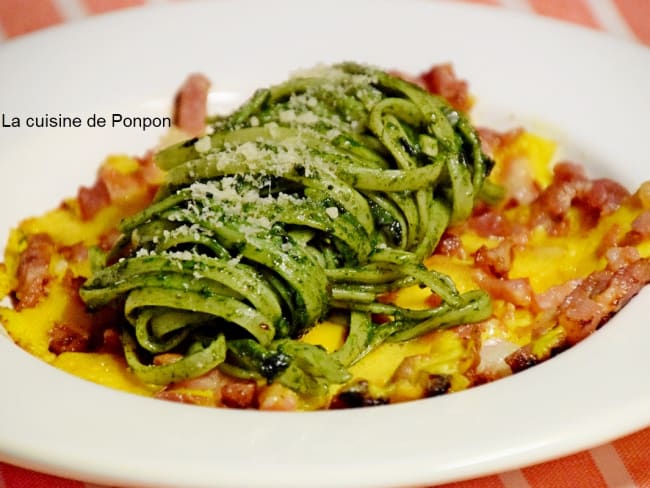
x: 589, y: 90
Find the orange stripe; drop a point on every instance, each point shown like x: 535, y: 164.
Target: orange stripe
x: 101, y: 6
x: 634, y: 450
x: 486, y: 482
x: 22, y: 16
x: 566, y: 472
x: 576, y: 11
x: 637, y: 15
x: 15, y: 477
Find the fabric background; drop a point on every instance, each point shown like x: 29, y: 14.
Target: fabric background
x: 623, y: 463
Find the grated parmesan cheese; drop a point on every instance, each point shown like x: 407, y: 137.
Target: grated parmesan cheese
x: 204, y: 144
x: 332, y: 212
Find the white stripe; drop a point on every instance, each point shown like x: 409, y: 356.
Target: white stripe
x: 71, y: 9
x: 610, y: 18
x: 521, y: 5
x: 611, y: 467
x: 514, y: 479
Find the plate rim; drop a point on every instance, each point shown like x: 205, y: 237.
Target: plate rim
x: 32, y: 458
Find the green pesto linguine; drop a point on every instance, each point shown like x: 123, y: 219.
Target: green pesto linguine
x: 319, y: 194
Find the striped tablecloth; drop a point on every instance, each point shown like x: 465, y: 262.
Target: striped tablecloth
x: 623, y: 463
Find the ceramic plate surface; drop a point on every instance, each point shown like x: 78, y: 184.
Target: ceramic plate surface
x: 586, y: 90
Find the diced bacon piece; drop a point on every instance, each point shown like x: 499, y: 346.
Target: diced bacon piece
x: 92, y: 199
x: 450, y: 244
x: 599, y: 297
x: 642, y: 224
x: 108, y: 239
x: 497, y: 260
x: 150, y: 173
x: 228, y: 391
x: 120, y: 186
x: 640, y: 230
x: 580, y: 314
x: 610, y: 239
x: 442, y: 80
x: 239, y: 394
x: 516, y: 291
x: 571, y: 187
x: 603, y: 196
x: 617, y: 257
x: 111, y: 342
x: 184, y: 397
x: 519, y: 182
x: 75, y: 253
x: 493, y: 354
x: 66, y: 338
x: 388, y: 297
x: 380, y: 318
x: 190, y: 105
x: 212, y: 380
x: 521, y: 359
x: 78, y: 330
x: 569, y: 180
x: 491, y: 224
x: 642, y: 195
x: 470, y: 331
x: 277, y: 397
x: 480, y: 207
x: 626, y: 282
x: 120, y: 180
x: 569, y: 172
x: 492, y: 140
x: 433, y: 300
x: 33, y: 273
x: 554, y: 296
x: 409, y: 367
x: 520, y: 234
